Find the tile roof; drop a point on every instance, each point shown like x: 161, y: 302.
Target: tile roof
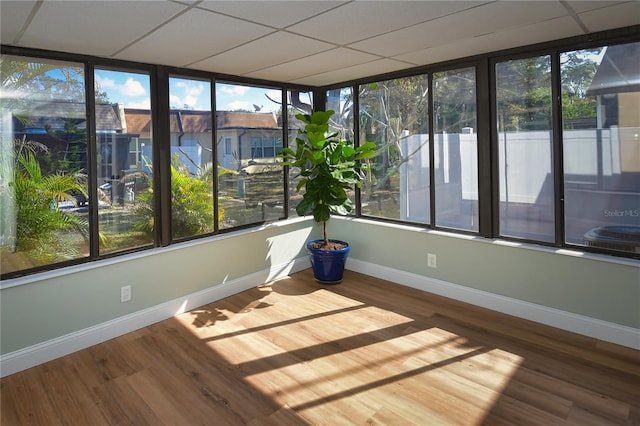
x: 138, y: 120
x: 192, y: 121
x: 253, y: 120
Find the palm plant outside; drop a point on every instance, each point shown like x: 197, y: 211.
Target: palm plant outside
x: 36, y: 197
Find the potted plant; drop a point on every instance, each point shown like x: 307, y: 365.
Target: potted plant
x: 329, y: 167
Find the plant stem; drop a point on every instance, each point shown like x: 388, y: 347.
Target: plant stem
x: 324, y: 231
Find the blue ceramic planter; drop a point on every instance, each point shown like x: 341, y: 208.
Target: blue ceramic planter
x: 328, y: 265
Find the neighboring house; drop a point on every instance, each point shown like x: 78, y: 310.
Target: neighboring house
x: 605, y: 192
x: 242, y: 137
x: 247, y: 136
x: 61, y: 126
x: 617, y: 88
x: 125, y: 136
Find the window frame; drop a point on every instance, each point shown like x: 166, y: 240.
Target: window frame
x: 556, y: 164
x: 487, y: 149
x: 117, y: 66
x: 488, y: 177
x: 159, y: 76
x: 204, y: 77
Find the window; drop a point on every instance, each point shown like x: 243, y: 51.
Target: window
x: 341, y: 101
x: 525, y: 149
x: 126, y: 205
x: 251, y: 187
x: 80, y: 188
x: 43, y: 190
x: 601, y: 147
x: 75, y: 188
x: 394, y: 114
x: 299, y: 102
x: 265, y: 147
x: 455, y: 149
x: 191, y: 148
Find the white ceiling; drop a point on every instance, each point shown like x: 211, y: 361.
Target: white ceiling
x: 306, y: 42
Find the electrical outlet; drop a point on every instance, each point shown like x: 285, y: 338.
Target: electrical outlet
x: 431, y: 260
x: 125, y: 293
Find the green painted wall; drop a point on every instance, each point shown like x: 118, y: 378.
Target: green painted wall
x: 54, y: 304
x: 600, y: 287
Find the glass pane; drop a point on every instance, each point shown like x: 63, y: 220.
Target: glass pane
x: 250, y: 188
x: 525, y: 148
x: 394, y: 115
x: 191, y: 128
x: 341, y: 101
x: 300, y: 102
x: 43, y: 163
x: 601, y: 124
x: 126, y: 213
x: 456, y: 149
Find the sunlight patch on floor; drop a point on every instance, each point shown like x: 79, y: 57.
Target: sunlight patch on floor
x: 431, y: 362
x: 332, y: 354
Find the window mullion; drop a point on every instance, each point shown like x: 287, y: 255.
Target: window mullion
x: 485, y: 158
x: 92, y: 173
x: 558, y: 161
x: 161, y: 155
x: 432, y: 162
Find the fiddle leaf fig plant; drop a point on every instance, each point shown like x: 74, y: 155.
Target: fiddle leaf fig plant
x: 329, y: 167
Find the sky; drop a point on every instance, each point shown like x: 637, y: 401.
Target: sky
x: 132, y: 91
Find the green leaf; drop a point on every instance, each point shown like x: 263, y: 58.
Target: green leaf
x: 301, y: 184
x: 304, y: 207
x: 321, y: 213
x: 286, y: 151
x: 336, y: 155
x: 348, y: 152
x: 321, y: 117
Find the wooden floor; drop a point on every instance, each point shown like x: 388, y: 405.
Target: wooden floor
x: 365, y: 352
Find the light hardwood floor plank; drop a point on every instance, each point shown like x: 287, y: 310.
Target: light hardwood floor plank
x: 365, y: 352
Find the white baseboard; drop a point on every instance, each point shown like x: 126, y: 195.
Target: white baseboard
x: 40, y: 353
x: 31, y: 356
x: 580, y: 324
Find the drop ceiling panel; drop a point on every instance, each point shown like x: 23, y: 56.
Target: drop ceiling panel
x: 94, y: 27
x: 612, y: 17
x: 339, y: 39
x: 277, y: 14
x: 355, y: 72
x: 13, y: 14
x: 584, y: 6
x: 363, y: 19
x: 262, y: 53
x: 469, y: 23
x: 192, y: 36
x: 554, y: 29
x: 314, y: 64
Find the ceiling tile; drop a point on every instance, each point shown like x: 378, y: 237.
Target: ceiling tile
x: 554, y: 29
x: 13, y: 14
x: 173, y: 44
x: 580, y: 6
x: 314, y: 64
x: 277, y: 14
x: 98, y: 28
x: 244, y: 38
x: 611, y: 17
x: 469, y: 23
x: 262, y: 53
x: 355, y: 72
x: 360, y: 20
